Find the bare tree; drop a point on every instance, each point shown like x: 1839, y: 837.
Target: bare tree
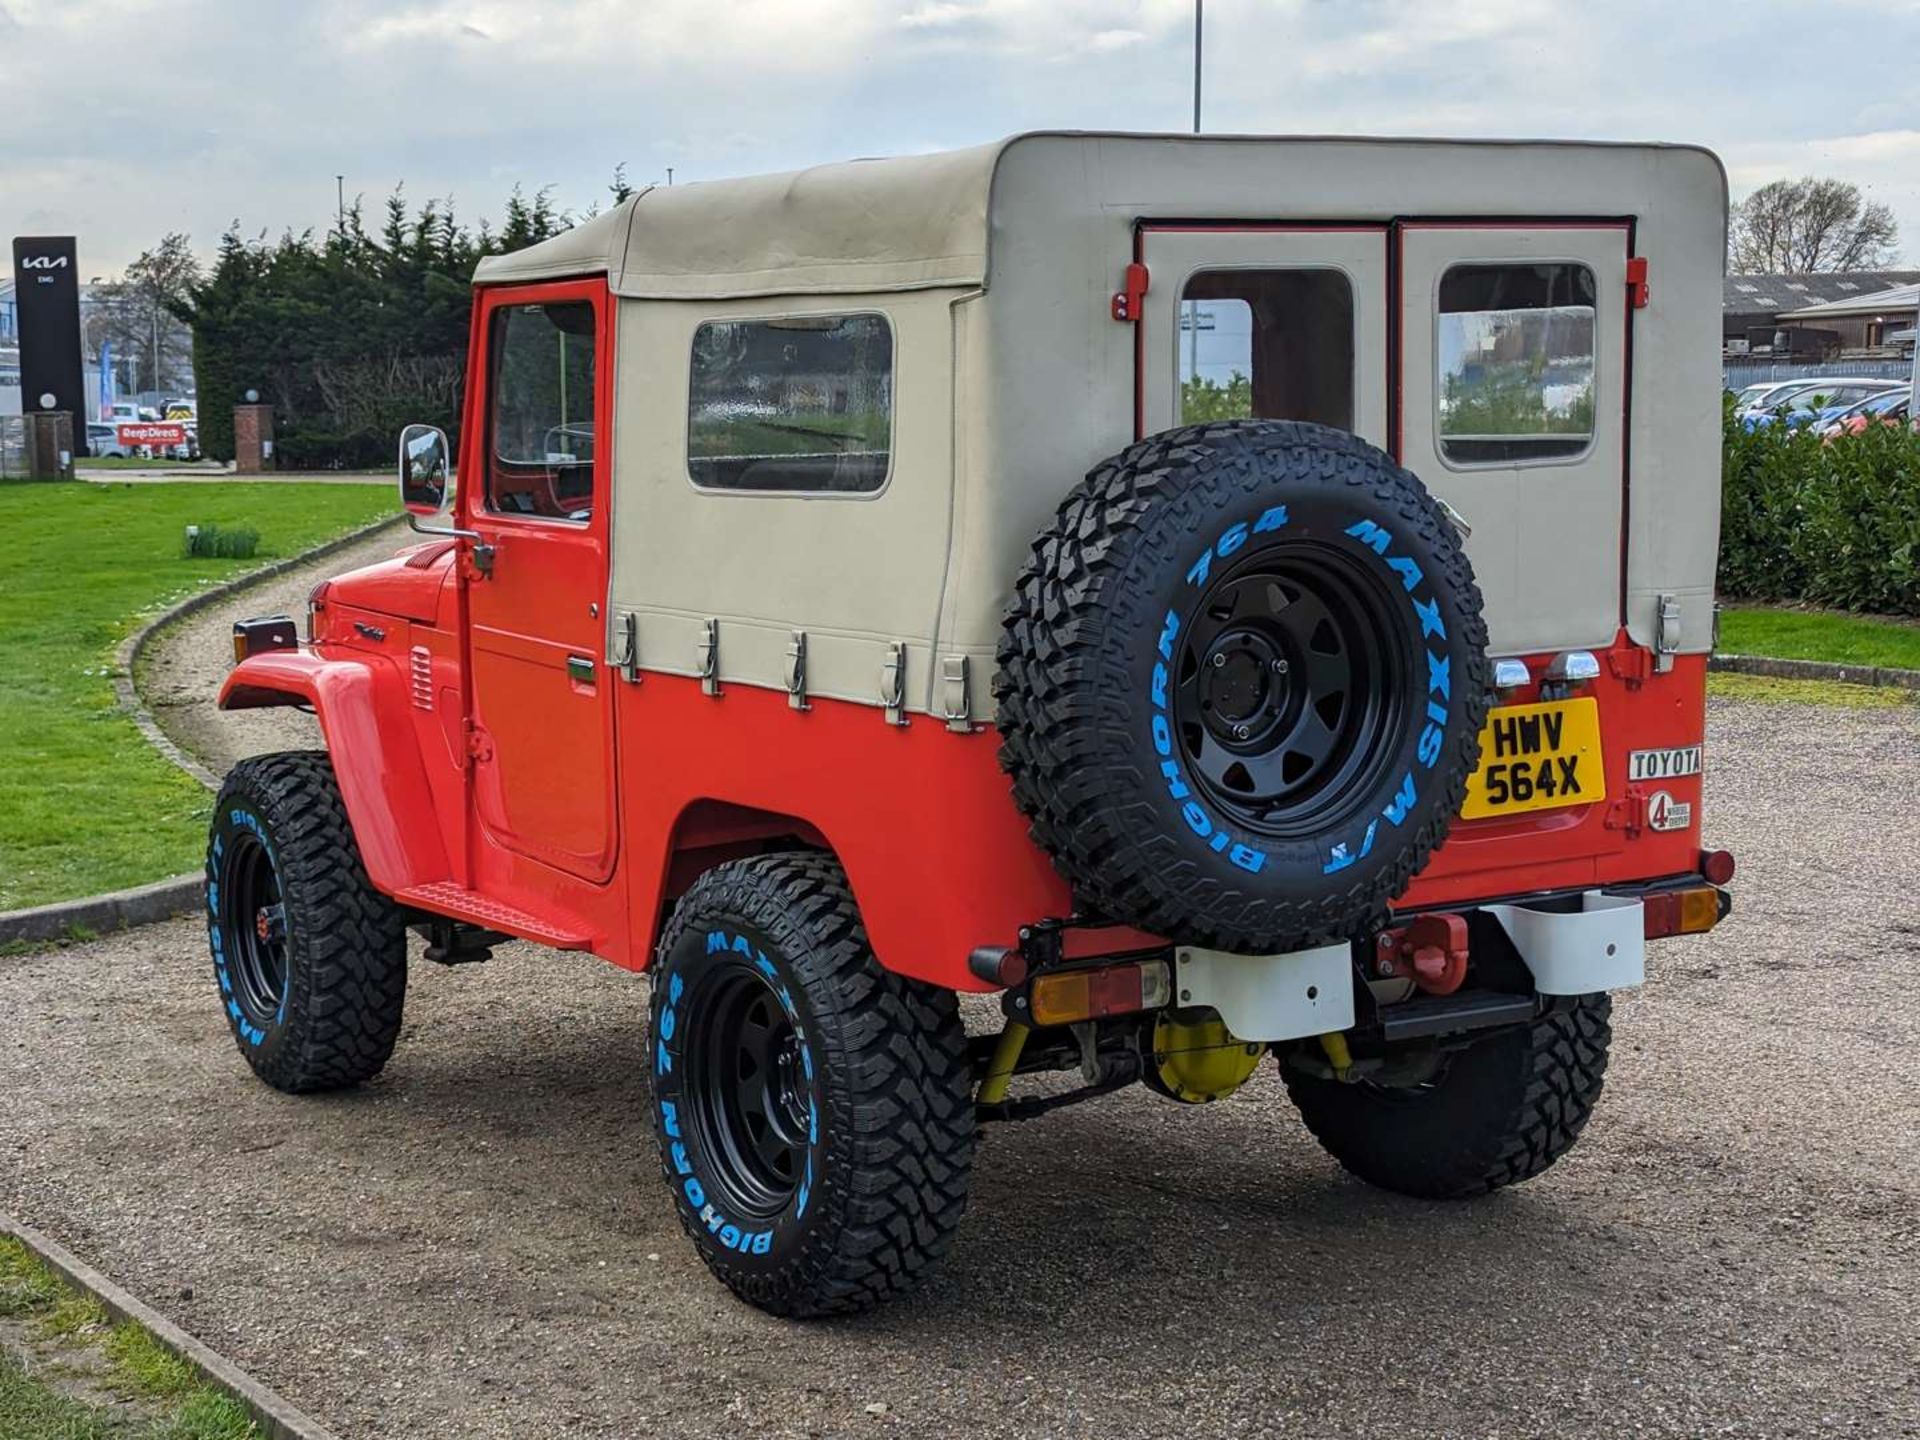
x: 1801, y: 226
x: 139, y: 313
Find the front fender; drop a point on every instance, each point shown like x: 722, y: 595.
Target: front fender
x: 362, y: 705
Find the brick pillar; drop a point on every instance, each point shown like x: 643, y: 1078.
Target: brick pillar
x: 253, y: 439
x: 50, y: 445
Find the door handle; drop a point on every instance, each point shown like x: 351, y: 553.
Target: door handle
x: 580, y: 668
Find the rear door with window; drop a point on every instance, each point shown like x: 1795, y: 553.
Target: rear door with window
x: 1270, y: 322
x: 1512, y: 403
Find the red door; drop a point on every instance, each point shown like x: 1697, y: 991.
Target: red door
x: 543, y: 777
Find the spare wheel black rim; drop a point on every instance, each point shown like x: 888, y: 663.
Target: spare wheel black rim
x: 1290, y: 688
x: 253, y: 917
x: 747, y: 1090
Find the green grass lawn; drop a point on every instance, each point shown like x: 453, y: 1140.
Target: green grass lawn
x: 85, y: 803
x: 1820, y: 635
x: 77, y: 1376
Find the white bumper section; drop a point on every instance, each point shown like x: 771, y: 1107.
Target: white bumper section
x: 1600, y: 946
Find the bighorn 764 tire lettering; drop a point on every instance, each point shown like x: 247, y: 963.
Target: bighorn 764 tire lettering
x: 1241, y: 684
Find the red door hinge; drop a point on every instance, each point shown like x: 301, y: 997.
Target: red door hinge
x: 1629, y: 812
x: 1631, y: 663
x: 1638, y: 290
x: 1129, y: 302
x: 479, y: 744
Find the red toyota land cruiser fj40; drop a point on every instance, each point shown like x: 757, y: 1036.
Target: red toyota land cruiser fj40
x: 1226, y: 596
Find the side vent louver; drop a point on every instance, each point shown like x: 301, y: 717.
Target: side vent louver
x: 422, y: 668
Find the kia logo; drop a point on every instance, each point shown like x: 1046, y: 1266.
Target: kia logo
x: 44, y: 262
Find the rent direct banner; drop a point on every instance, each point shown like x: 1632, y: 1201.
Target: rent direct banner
x: 153, y: 433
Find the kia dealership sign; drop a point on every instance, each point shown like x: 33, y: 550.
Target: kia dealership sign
x: 47, y: 302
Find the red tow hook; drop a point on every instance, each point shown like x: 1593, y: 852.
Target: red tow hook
x: 1431, y: 951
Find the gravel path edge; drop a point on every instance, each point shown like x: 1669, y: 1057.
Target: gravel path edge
x: 1880, y: 676
x: 125, y: 658
x: 278, y: 1419
x: 115, y: 910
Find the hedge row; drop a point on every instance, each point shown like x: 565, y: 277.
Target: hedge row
x: 1834, y: 524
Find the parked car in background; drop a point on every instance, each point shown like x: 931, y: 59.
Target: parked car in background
x: 103, y: 442
x: 1890, y: 408
x: 1755, y: 399
x: 1807, y: 406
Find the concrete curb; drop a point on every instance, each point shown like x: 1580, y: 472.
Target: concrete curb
x: 162, y: 899
x: 278, y: 1420
x: 1876, y: 675
x: 116, y: 910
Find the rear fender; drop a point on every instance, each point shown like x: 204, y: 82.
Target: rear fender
x: 361, y: 702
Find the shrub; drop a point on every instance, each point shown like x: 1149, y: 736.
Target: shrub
x: 210, y: 542
x: 1837, y: 524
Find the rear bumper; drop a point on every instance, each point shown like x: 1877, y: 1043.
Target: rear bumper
x: 1563, y: 943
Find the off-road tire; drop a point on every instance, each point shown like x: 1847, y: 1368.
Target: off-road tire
x: 885, y: 1080
x: 1119, y: 580
x: 345, y: 943
x: 1499, y: 1112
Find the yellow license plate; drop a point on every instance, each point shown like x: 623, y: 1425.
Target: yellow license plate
x: 1537, y: 757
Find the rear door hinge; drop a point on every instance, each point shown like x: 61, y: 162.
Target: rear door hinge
x: 1633, y: 664
x: 1131, y: 299
x: 1639, y: 291
x: 1629, y: 812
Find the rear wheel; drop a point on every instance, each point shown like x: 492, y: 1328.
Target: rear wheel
x: 311, y: 960
x: 1494, y: 1114
x: 814, y: 1111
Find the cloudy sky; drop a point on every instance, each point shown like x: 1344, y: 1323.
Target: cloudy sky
x: 123, y: 119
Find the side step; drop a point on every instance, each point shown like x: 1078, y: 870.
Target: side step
x: 456, y: 902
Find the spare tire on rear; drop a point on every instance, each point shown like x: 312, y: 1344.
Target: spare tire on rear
x: 1241, y: 684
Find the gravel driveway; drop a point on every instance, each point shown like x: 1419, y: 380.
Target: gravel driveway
x: 478, y: 1244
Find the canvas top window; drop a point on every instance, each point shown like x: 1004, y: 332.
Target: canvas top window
x: 799, y: 404
x: 1516, y: 363
x: 540, y: 426
x: 1269, y: 344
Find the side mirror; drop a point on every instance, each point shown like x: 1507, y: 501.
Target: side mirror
x: 425, y: 468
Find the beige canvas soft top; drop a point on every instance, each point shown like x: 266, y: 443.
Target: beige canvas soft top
x: 907, y: 223
x: 995, y: 268
x: 898, y: 223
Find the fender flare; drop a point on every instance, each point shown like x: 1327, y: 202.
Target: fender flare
x: 362, y: 706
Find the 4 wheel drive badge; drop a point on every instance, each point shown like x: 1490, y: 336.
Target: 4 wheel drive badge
x: 1666, y: 813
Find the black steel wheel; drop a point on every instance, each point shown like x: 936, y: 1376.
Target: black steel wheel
x: 253, y: 922
x: 748, y: 1103
x: 310, y: 959
x: 1291, y: 681
x: 814, y: 1111
x: 1241, y: 684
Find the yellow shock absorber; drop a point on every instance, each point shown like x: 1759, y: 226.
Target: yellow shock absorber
x: 1334, y: 1042
x: 1006, y: 1055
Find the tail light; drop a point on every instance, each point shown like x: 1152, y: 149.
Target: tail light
x: 1692, y: 911
x: 1067, y: 997
x: 1717, y: 865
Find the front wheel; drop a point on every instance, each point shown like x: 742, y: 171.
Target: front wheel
x: 814, y: 1111
x: 311, y: 960
x: 1494, y: 1114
